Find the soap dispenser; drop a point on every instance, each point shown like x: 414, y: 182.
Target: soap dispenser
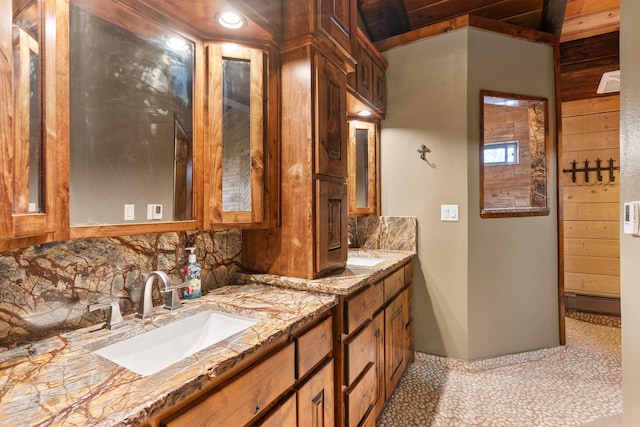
x: 191, y: 274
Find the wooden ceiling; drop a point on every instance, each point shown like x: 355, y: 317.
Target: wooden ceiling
x: 588, y: 29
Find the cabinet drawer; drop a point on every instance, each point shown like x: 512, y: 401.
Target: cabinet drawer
x: 359, y: 352
x: 408, y: 273
x: 245, y: 397
x: 360, y: 307
x: 393, y: 284
x: 361, y: 398
x: 313, y: 346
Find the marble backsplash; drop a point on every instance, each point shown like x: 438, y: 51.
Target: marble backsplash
x: 45, y: 289
x: 392, y: 233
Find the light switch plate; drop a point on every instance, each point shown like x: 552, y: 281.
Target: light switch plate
x: 449, y: 213
x: 129, y: 212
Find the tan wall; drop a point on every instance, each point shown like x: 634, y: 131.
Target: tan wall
x: 630, y: 190
x: 513, y: 273
x: 472, y: 299
x: 591, y: 219
x: 426, y: 87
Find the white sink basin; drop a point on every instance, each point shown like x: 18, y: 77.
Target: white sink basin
x: 363, y: 261
x: 153, y: 351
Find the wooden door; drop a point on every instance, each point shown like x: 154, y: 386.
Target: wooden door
x: 394, y: 344
x: 331, y: 225
x: 337, y: 19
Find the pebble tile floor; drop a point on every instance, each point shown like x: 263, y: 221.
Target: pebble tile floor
x: 573, y: 385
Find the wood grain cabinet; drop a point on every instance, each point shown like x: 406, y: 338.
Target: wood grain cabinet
x: 29, y: 130
x: 311, y: 240
x: 368, y: 83
x: 375, y: 347
x: 292, y: 385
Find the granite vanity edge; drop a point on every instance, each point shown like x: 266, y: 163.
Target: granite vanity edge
x: 342, y: 282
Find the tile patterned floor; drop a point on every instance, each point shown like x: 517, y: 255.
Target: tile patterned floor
x: 573, y: 385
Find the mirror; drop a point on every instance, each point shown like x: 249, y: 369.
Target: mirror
x: 29, y: 151
x: 362, y: 167
x: 236, y: 135
x: 131, y: 120
x: 513, y: 155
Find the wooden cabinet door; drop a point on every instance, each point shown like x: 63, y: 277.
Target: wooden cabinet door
x: 409, y: 325
x: 331, y: 119
x: 234, y: 185
x: 284, y: 415
x: 379, y: 89
x: 362, y: 167
x: 394, y: 322
x: 6, y: 121
x: 364, y: 75
x: 337, y: 19
x: 316, y: 399
x: 378, y: 335
x: 331, y: 226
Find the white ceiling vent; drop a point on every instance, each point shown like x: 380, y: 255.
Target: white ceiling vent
x: 610, y: 82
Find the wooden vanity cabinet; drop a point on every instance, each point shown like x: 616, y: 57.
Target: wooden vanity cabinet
x: 375, y: 345
x: 289, y: 385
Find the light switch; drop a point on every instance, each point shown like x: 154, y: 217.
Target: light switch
x: 449, y: 213
x: 129, y: 212
x: 154, y: 211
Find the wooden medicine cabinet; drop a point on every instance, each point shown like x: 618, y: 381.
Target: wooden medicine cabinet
x: 363, y: 138
x: 28, y: 127
x: 235, y: 135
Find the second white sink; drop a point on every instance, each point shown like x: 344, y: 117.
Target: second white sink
x: 153, y: 351
x: 363, y: 261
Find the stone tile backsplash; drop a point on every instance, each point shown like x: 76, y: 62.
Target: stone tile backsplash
x: 390, y: 233
x: 45, y: 289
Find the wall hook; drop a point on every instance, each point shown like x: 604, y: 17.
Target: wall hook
x: 423, y: 155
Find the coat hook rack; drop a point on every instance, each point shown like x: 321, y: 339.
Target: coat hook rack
x: 598, y: 169
x: 423, y: 155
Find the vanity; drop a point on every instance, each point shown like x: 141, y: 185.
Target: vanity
x: 322, y: 352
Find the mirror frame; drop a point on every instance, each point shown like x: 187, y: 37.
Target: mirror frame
x: 214, y: 213
x: 25, y: 229
x: 516, y: 211
x: 141, y: 25
x: 372, y: 178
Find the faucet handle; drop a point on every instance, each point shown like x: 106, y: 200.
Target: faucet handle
x: 114, y: 316
x: 172, y: 301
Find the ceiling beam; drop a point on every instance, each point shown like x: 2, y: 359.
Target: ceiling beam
x: 396, y: 16
x: 553, y: 12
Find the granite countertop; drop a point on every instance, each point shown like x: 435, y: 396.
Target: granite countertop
x: 342, y: 282
x: 58, y: 381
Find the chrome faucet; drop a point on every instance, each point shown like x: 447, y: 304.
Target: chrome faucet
x: 172, y: 301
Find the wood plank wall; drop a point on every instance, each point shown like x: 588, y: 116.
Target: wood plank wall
x: 591, y: 210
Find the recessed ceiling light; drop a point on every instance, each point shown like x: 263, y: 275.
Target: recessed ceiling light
x: 364, y: 113
x: 231, y: 20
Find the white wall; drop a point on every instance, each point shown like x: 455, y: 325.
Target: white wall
x: 630, y: 190
x: 466, y: 307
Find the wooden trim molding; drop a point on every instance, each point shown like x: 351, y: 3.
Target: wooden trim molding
x: 462, y: 22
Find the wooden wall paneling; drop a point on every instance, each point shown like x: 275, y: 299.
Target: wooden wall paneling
x: 586, y: 18
x: 583, y: 62
x: 591, y: 210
